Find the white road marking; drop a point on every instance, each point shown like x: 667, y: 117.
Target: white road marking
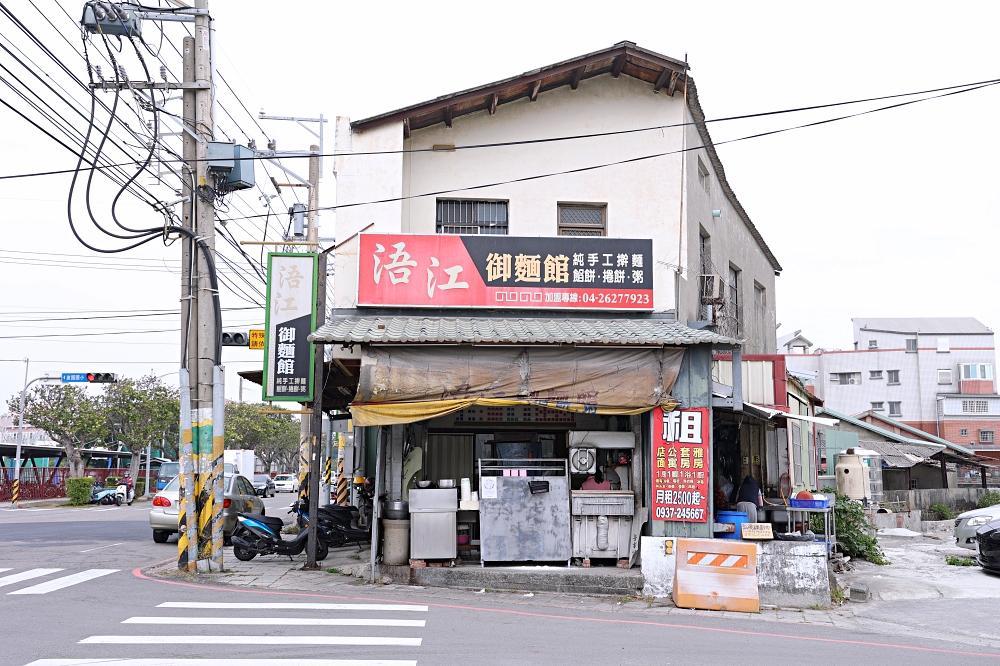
x: 303, y: 621
x: 26, y: 575
x: 65, y: 581
x: 178, y: 661
x: 100, y: 547
x: 251, y: 640
x: 291, y: 606
x: 7, y: 569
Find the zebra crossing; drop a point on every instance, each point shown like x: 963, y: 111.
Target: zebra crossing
x: 50, y: 585
x: 193, y: 623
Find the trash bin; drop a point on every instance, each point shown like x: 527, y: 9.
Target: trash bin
x: 396, y: 542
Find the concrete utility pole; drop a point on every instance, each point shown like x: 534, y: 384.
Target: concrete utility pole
x: 200, y: 545
x: 315, y: 428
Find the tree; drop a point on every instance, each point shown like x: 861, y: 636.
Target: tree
x: 272, y: 437
x: 139, y: 413
x: 68, y: 414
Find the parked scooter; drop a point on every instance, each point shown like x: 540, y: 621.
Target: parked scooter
x: 124, y: 493
x: 101, y: 495
x: 261, y: 535
x: 340, y: 523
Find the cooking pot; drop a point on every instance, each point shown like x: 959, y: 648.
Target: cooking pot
x: 396, y: 510
x: 446, y: 483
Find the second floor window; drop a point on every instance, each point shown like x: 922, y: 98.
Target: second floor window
x: 472, y: 217
x: 582, y: 220
x: 894, y: 376
x: 895, y: 409
x: 845, y: 377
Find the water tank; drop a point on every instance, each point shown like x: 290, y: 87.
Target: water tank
x: 852, y: 477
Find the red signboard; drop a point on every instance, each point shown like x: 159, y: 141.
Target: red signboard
x: 681, y: 465
x: 492, y: 271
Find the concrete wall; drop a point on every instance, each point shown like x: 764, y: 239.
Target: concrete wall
x: 731, y: 244
x: 910, y: 520
x: 790, y: 574
x: 362, y: 179
x: 957, y: 499
x: 643, y: 198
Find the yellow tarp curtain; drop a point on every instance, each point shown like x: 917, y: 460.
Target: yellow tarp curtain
x: 393, y: 413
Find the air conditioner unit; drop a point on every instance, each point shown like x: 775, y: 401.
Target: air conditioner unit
x: 712, y: 287
x: 583, y: 460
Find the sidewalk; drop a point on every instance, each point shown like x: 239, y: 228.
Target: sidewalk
x: 920, y: 617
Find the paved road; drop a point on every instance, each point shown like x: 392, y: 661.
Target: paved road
x: 71, y: 591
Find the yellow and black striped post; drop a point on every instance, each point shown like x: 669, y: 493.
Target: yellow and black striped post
x: 16, y: 497
x: 328, y: 473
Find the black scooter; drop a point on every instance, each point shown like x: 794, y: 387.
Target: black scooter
x: 339, y: 523
x: 261, y: 535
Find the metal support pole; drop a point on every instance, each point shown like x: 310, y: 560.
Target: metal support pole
x: 187, y: 519
x: 379, y: 439
x: 16, y: 496
x: 316, y: 440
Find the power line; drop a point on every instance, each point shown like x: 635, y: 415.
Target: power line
x: 972, y: 86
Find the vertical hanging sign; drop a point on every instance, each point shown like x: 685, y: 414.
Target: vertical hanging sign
x: 681, y: 465
x: 289, y: 357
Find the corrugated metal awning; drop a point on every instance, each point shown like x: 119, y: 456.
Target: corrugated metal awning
x: 347, y: 329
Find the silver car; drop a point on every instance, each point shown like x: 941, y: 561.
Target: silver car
x: 967, y: 523
x: 240, y: 497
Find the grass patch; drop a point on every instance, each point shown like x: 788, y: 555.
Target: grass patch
x: 333, y: 570
x: 291, y: 529
x: 962, y: 561
x: 837, y: 595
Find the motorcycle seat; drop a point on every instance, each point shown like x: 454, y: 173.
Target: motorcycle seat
x: 272, y: 522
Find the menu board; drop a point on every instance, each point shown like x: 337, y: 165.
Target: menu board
x: 681, y: 466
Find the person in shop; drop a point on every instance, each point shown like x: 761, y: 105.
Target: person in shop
x: 596, y: 481
x: 749, y: 491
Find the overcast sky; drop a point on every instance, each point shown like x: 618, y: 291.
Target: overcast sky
x: 890, y: 214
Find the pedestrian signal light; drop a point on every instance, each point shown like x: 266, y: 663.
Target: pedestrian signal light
x: 240, y: 339
x: 101, y: 377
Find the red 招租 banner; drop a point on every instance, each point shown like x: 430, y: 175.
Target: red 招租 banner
x: 681, y: 465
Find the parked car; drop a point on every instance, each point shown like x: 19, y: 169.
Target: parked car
x: 263, y: 484
x: 967, y: 523
x: 240, y: 497
x: 168, y: 471
x: 286, y: 483
x: 988, y: 538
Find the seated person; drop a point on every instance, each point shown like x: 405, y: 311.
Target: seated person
x: 596, y: 481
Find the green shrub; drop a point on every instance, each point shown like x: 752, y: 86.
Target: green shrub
x: 989, y: 498
x: 111, y: 482
x: 942, y: 511
x: 853, y: 531
x: 78, y: 490
x: 140, y: 487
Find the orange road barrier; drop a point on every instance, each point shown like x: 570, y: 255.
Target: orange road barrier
x: 716, y: 574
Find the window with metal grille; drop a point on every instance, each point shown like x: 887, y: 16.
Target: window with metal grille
x: 975, y: 406
x: 472, y: 217
x: 893, y: 376
x: 895, y: 409
x: 986, y: 437
x: 582, y: 219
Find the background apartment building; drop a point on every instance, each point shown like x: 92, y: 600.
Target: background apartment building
x: 933, y: 374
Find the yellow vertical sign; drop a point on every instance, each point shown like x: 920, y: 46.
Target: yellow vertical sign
x: 256, y: 338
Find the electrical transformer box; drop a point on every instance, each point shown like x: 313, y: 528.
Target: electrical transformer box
x: 234, y: 160
x: 108, y: 18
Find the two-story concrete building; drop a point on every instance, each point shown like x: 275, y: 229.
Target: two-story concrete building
x: 531, y: 279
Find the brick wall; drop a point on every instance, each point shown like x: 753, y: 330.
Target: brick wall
x: 951, y: 430
x: 976, y: 386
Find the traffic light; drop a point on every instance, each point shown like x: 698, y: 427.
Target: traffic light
x: 230, y: 339
x: 101, y: 377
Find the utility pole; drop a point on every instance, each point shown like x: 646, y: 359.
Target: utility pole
x: 16, y: 496
x: 200, y: 545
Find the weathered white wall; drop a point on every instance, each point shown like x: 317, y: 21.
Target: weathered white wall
x: 642, y: 197
x: 362, y: 179
x: 731, y: 244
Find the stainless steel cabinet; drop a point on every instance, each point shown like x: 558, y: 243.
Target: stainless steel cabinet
x: 433, y: 533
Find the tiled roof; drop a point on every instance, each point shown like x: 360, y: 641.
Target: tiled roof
x: 511, y: 330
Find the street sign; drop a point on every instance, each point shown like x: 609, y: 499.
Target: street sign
x: 291, y: 318
x: 256, y: 338
x: 74, y: 377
